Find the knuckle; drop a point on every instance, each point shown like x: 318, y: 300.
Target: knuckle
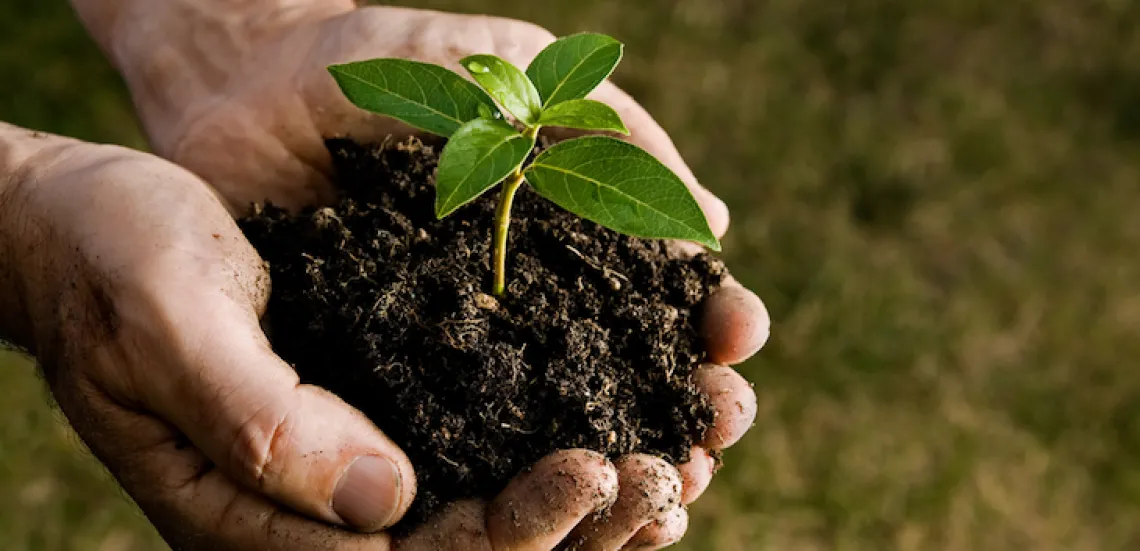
x: 662, y: 532
x: 259, y: 448
x: 230, y: 514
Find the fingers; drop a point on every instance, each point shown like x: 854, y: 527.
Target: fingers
x: 534, y: 513
x: 552, y: 504
x: 242, y: 406
x: 647, y: 134
x: 227, y: 516
x: 539, y: 508
x: 650, y: 490
x: 734, y: 401
x: 661, y: 533
x: 191, y: 503
x: 696, y: 474
x: 186, y: 290
x: 734, y: 324
x: 461, y: 526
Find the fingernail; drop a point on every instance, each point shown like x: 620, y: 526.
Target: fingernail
x: 368, y: 493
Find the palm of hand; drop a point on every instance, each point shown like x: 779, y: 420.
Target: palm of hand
x: 257, y: 132
x: 260, y: 134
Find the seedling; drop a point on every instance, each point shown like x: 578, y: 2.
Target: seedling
x: 599, y: 178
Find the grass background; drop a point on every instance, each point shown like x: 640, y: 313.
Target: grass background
x: 938, y: 200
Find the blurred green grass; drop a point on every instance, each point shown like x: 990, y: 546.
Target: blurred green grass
x: 936, y: 199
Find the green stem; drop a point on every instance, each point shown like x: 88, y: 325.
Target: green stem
x: 503, y: 222
x: 503, y: 228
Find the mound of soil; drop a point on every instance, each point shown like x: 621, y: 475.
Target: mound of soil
x: 377, y: 301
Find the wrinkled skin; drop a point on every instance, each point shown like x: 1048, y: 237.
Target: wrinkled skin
x: 255, y: 130
x: 144, y: 302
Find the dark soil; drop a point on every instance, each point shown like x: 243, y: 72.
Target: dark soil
x: 382, y: 304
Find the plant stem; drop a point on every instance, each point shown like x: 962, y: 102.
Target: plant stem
x: 503, y: 228
x: 503, y: 222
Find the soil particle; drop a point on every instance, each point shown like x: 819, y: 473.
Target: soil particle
x: 376, y: 300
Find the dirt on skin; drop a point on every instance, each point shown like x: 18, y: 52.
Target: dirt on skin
x: 379, y: 302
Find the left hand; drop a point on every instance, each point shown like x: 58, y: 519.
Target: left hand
x: 252, y: 122
x: 256, y: 131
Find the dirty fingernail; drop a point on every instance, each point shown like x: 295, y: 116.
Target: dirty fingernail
x: 368, y: 493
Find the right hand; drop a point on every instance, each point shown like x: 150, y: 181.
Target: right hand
x: 142, y: 301
x: 251, y: 120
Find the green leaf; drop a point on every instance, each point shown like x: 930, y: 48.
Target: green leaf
x: 479, y: 155
x: 487, y: 113
x: 425, y: 96
x: 507, y: 84
x: 583, y: 114
x: 573, y: 66
x: 622, y: 187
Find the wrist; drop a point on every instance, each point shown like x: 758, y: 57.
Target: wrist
x: 20, y: 149
x: 175, y: 54
x: 12, y: 313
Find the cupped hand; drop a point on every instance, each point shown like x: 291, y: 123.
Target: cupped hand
x: 256, y: 131
x: 144, y: 302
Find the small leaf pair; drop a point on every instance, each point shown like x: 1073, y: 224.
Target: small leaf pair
x: 601, y: 179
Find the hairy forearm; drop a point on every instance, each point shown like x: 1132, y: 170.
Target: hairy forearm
x: 172, y: 52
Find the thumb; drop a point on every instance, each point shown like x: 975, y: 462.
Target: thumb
x: 246, y: 410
